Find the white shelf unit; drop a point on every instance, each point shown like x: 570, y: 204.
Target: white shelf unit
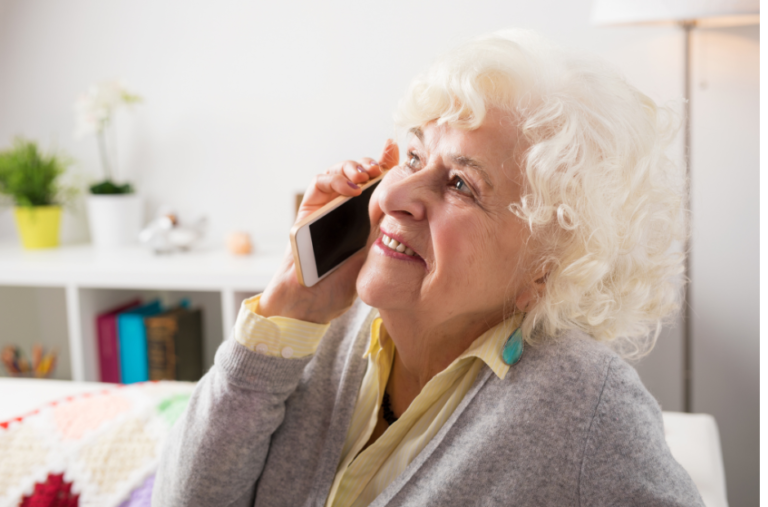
x: 96, y: 280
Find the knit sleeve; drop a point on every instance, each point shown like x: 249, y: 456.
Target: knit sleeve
x: 626, y: 459
x: 216, y: 451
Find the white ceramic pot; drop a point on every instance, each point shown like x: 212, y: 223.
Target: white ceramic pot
x: 115, y: 220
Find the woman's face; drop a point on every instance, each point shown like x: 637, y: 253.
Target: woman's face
x: 448, y: 204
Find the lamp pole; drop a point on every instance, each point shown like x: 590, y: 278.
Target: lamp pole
x: 687, y: 27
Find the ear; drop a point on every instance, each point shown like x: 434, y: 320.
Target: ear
x: 532, y: 292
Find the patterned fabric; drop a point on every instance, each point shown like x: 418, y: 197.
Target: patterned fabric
x: 97, y: 449
x: 142, y: 496
x: 54, y: 492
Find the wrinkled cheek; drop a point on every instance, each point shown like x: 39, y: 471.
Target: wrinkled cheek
x: 470, y: 253
x: 459, y: 254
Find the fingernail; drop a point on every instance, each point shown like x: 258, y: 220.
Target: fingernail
x: 352, y: 185
x: 361, y: 170
x: 374, y: 163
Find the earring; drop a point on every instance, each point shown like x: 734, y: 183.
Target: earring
x: 513, y: 348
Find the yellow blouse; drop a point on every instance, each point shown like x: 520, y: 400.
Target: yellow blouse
x: 361, y: 476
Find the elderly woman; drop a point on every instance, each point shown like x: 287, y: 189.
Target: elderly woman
x: 468, y: 356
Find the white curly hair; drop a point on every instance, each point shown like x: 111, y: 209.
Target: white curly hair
x: 602, y: 198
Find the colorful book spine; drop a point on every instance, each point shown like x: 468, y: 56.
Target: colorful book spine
x: 189, y: 346
x: 106, y: 337
x: 161, y: 342
x: 132, y: 336
x: 175, y: 342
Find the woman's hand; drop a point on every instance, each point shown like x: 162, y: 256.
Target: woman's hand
x: 329, y: 298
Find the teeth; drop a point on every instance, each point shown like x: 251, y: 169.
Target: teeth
x: 395, y: 245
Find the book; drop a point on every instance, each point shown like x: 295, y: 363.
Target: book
x: 106, y: 339
x: 132, y: 337
x: 175, y: 344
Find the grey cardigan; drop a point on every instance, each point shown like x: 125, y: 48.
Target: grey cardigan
x: 571, y: 424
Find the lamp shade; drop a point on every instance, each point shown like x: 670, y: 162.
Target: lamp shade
x: 703, y: 12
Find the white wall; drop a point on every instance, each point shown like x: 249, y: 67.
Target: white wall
x: 245, y: 101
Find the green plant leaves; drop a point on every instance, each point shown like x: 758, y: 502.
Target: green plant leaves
x: 30, y: 176
x: 108, y: 187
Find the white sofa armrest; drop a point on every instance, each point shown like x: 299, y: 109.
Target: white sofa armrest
x: 695, y: 444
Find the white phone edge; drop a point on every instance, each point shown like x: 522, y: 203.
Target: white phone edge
x: 301, y: 241
x: 306, y: 252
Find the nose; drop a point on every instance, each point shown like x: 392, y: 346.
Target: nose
x: 405, y: 196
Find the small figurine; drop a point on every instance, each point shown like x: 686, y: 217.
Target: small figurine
x: 165, y: 234
x: 239, y: 243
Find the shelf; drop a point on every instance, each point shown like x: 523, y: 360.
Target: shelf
x: 135, y: 267
x: 96, y: 280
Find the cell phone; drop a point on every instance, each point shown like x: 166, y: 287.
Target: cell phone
x: 324, y: 240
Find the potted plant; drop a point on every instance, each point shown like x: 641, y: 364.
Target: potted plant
x: 114, y: 209
x: 31, y: 179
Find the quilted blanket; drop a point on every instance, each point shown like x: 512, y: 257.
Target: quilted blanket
x: 99, y: 449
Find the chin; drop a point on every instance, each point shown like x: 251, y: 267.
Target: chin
x: 369, y: 289
x: 376, y: 289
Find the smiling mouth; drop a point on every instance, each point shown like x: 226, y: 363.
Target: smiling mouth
x: 395, y: 245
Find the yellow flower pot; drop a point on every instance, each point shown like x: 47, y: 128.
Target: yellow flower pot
x: 38, y: 225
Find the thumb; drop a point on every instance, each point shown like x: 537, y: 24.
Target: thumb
x: 390, y: 156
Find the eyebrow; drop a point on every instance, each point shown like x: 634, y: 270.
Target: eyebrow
x: 460, y: 160
x: 473, y: 164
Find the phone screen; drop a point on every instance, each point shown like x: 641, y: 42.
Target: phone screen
x: 342, y: 232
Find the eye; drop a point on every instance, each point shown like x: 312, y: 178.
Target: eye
x: 459, y: 185
x: 414, y: 162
